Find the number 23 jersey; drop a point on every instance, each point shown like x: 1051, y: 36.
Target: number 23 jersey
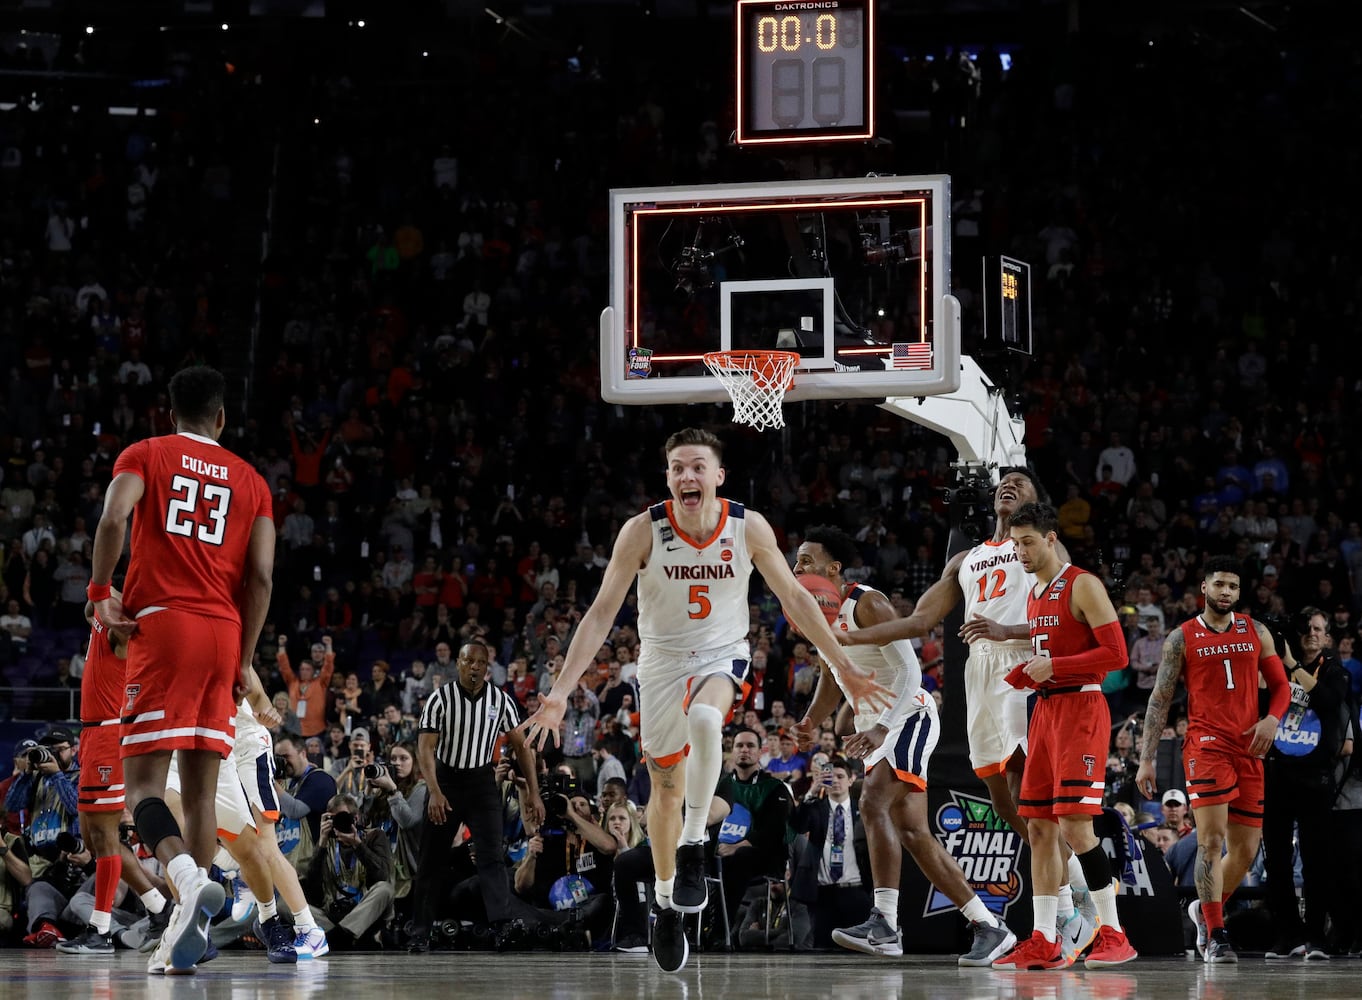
x: 191, y: 530
x: 692, y: 594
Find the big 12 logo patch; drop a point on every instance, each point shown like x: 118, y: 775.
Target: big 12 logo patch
x: 985, y: 847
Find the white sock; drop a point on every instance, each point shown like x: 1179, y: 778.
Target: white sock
x: 977, y: 913
x: 887, y: 904
x: 1105, y: 900
x: 100, y: 921
x: 1077, y: 879
x: 662, y: 890
x: 153, y: 901
x: 1046, y: 909
x: 705, y: 761
x: 267, y: 910
x: 1066, y: 902
x: 182, y: 871
x: 302, y: 920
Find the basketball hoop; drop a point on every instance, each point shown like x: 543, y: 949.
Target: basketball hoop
x: 756, y: 381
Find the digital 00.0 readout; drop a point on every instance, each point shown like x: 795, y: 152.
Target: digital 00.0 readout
x: 806, y: 70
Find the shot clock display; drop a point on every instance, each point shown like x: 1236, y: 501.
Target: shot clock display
x: 1007, y: 303
x: 805, y: 70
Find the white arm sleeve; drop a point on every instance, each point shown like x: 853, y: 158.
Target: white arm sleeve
x: 899, y: 654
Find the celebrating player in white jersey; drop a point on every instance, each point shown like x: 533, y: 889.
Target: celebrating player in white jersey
x: 692, y: 556
x: 994, y: 586
x: 893, y: 803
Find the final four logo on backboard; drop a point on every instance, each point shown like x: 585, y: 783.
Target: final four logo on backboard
x: 640, y: 363
x: 986, y: 849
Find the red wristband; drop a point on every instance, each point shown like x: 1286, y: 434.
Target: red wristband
x: 97, y: 592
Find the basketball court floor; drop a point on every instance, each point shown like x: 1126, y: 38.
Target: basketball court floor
x: 27, y: 975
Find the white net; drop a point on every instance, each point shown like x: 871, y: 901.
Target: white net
x: 756, y: 381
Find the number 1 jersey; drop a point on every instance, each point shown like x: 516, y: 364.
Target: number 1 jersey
x: 191, y: 530
x: 1220, y: 670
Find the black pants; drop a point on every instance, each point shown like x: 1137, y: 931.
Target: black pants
x: 475, y: 800
x: 632, y: 867
x: 1345, y: 839
x: 742, y: 867
x: 837, y: 906
x: 1292, y: 799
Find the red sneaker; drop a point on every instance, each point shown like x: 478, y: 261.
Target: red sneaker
x: 46, y: 936
x: 1112, y: 948
x: 1036, y: 952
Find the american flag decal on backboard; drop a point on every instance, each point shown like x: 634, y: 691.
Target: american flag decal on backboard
x: 917, y: 356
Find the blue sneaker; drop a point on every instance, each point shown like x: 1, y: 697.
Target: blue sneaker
x: 243, y: 901
x: 278, y: 941
x: 311, y: 944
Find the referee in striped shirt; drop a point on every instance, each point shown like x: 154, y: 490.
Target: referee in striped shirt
x: 459, y: 728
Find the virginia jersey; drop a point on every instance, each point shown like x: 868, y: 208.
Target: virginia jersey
x: 252, y: 738
x: 1221, y: 673
x: 903, y: 682
x: 994, y: 583
x: 692, y: 594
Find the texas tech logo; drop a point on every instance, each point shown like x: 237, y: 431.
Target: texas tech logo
x: 132, y: 691
x: 1089, y: 762
x: 986, y: 849
x: 105, y: 773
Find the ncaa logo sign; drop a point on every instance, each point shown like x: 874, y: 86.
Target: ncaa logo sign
x: 1298, y: 734
x: 985, y: 848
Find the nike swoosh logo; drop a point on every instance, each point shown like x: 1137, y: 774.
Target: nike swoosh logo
x: 675, y: 548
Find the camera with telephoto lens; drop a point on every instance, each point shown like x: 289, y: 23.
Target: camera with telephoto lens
x: 69, y: 843
x: 557, y: 792
x: 126, y: 831
x: 343, y: 822
x: 375, y: 771
x: 39, y: 756
x: 281, y: 765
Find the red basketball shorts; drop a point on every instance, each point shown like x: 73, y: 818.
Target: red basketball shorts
x: 101, y: 770
x: 1215, y: 776
x: 1066, y: 763
x: 182, y: 669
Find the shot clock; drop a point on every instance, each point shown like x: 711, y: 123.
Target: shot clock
x: 805, y: 70
x: 1007, y: 303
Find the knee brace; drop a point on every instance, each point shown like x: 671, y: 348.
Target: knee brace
x: 704, y: 721
x: 155, y: 822
x: 1096, y: 868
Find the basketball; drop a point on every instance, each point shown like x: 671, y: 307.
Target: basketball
x: 825, y: 592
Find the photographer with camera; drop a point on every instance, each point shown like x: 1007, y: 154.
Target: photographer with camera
x: 304, y: 790
x: 351, y: 780
x: 47, y: 792
x: 398, y: 807
x: 460, y: 725
x: 570, y: 861
x: 351, y: 874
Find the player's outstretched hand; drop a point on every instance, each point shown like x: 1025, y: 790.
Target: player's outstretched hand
x: 803, y: 731
x: 542, y: 727
x: 1263, y: 734
x: 115, y: 617
x: 864, y: 692
x: 1144, y: 780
